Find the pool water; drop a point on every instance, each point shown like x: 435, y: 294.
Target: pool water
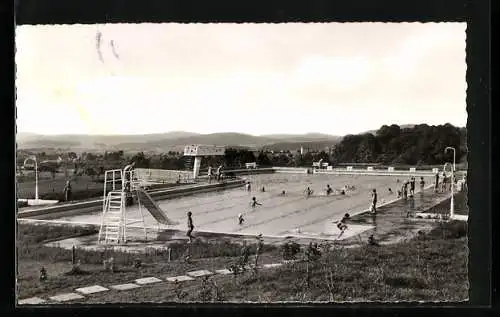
x: 278, y: 215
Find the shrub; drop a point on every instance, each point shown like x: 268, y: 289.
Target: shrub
x: 290, y: 250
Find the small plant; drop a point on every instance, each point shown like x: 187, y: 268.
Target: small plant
x: 240, y: 265
x: 180, y: 294
x: 218, y: 292
x: 290, y: 250
x: 205, y: 294
x: 312, y: 254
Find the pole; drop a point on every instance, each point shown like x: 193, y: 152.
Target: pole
x: 454, y: 156
x: 452, y: 184
x: 452, y: 204
x: 36, y: 179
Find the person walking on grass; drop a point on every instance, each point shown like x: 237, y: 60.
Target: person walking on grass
x: 67, y: 191
x: 190, y: 226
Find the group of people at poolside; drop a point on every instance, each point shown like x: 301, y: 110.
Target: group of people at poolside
x: 219, y: 173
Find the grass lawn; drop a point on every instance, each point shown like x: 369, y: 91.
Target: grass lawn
x: 432, y: 267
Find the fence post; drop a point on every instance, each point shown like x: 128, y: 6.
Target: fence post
x: 73, y: 255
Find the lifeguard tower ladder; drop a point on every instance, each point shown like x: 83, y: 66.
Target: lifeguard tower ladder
x: 114, y: 221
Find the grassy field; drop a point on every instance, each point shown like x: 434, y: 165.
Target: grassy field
x: 432, y: 267
x: 49, y: 187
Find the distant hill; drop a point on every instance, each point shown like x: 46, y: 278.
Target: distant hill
x: 309, y: 136
x: 320, y: 145
x: 171, y: 141
x: 31, y: 140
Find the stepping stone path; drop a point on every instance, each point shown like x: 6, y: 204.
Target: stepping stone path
x: 272, y: 265
x: 31, y: 301
x: 181, y: 278
x: 199, y: 273
x: 66, y: 297
x: 124, y: 287
x: 147, y: 280
x: 91, y: 289
x: 190, y: 276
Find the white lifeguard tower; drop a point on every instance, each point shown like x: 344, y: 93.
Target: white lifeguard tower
x: 199, y: 151
x: 114, y: 220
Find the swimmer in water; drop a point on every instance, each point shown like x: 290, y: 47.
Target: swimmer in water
x: 283, y: 193
x: 309, y: 192
x: 390, y: 191
x: 254, y: 202
x: 342, y: 192
x: 329, y: 190
x: 240, y: 219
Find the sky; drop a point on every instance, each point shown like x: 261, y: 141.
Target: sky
x: 334, y: 78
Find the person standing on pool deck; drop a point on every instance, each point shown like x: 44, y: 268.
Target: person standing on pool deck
x: 209, y: 174
x: 374, y: 201
x: 67, y: 191
x: 254, y: 202
x: 190, y: 226
x: 249, y: 187
x: 219, y: 172
x: 412, y: 186
x: 436, y: 182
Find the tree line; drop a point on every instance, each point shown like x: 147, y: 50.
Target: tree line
x: 418, y: 145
